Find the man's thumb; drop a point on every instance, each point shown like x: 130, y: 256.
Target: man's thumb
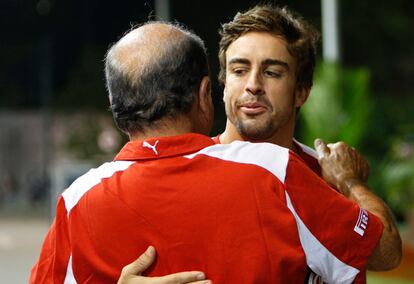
x: 141, y: 263
x: 321, y: 148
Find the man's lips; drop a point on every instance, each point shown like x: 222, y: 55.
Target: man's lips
x: 253, y: 108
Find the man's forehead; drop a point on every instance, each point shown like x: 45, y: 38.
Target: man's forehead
x: 262, y: 47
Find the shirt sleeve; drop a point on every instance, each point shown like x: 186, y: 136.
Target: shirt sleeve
x: 336, y: 234
x: 52, y: 265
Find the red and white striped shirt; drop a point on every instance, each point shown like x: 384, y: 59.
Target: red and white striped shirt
x: 240, y: 212
x: 310, y: 157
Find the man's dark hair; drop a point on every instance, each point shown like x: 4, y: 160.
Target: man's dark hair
x: 165, y: 86
x: 300, y: 36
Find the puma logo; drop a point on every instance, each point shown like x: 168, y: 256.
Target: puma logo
x: 152, y: 147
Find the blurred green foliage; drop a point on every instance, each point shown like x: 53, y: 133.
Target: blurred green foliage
x: 340, y: 108
x: 339, y: 105
x: 397, y: 171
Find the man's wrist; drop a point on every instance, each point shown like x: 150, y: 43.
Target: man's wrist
x: 348, y: 185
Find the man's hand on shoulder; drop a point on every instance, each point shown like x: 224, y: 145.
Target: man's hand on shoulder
x: 131, y: 273
x: 342, y: 165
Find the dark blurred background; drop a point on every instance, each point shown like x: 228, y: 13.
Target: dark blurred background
x: 54, y: 122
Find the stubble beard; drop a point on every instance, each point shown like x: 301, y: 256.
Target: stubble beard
x: 255, y: 130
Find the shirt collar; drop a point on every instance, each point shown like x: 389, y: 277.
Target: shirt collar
x: 161, y: 147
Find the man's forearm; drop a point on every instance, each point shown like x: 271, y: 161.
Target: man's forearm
x: 343, y: 167
x: 387, y: 255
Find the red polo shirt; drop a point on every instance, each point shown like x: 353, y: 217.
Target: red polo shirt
x: 240, y: 212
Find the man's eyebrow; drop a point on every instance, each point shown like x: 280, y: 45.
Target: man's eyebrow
x: 239, y: 60
x: 268, y: 62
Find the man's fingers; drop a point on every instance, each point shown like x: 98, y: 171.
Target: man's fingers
x: 131, y: 273
x: 185, y: 277
x: 321, y: 148
x: 141, y: 263
x: 201, y: 282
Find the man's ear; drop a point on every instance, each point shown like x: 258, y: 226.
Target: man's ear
x: 204, y: 95
x: 301, y: 95
x: 224, y: 93
x: 203, y: 110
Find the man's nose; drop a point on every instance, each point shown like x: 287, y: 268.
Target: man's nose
x: 254, y: 84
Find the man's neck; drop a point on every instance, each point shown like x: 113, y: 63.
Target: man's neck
x: 164, y: 128
x: 231, y: 134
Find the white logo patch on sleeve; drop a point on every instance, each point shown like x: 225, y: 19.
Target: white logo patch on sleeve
x: 362, y: 222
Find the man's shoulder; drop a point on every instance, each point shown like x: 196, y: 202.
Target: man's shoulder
x: 87, y: 181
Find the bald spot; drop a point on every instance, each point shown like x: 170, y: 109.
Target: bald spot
x: 143, y: 47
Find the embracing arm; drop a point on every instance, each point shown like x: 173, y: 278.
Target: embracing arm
x: 131, y: 273
x: 387, y: 255
x: 345, y: 169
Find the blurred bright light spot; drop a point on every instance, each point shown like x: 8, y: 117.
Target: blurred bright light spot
x: 109, y: 140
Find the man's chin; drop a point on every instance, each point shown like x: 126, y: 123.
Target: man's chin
x: 252, y: 133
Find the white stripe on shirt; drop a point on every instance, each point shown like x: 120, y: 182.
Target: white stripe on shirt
x: 70, y: 278
x: 318, y: 257
x: 83, y: 184
x: 251, y: 153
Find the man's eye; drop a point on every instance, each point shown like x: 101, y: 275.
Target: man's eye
x: 239, y: 71
x: 272, y: 74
